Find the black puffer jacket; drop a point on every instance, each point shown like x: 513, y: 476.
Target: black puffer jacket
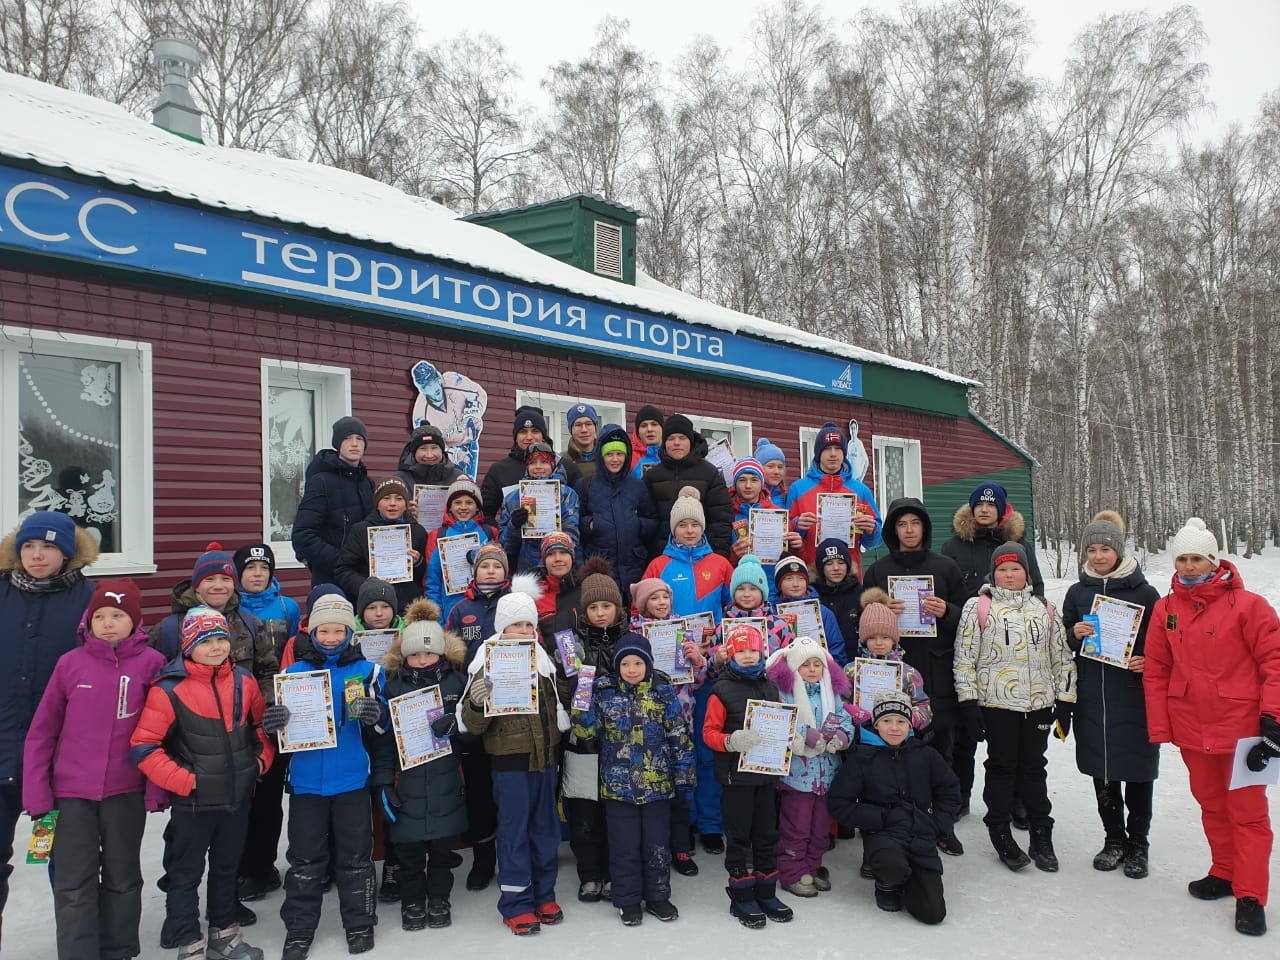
x: 665, y: 480
x: 972, y: 546
x: 353, y: 563
x: 511, y: 470
x: 337, y: 495
x: 905, y: 798
x: 728, y: 704
x: 844, y: 599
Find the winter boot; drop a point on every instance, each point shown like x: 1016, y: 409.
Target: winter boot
x: 713, y: 843
x: 683, y: 864
x: 360, y: 940
x: 632, y: 916
x: 664, y: 910
x: 767, y: 897
x: 524, y: 925
x: 1041, y: 848
x: 549, y: 913
x: 1251, y: 918
x: 228, y: 944
x: 590, y: 891
x: 297, y: 944
x: 1110, y: 856
x: 1209, y: 888
x: 822, y: 880
x: 951, y: 845
x: 484, y: 860
x: 1007, y: 848
x: 413, y: 916
x: 804, y: 887
x: 389, y: 892
x: 195, y: 950
x: 1135, y: 860
x: 438, y: 913
x: 888, y: 898
x: 742, y: 901
x: 244, y: 916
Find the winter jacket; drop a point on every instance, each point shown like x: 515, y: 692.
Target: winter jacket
x: 912, y: 685
x: 1020, y: 661
x: 251, y: 647
x: 595, y: 647
x: 525, y: 554
x: 643, y: 456
x: 336, y: 496
x: 972, y: 546
x: 813, y: 768
x: 523, y: 741
x: 1213, y: 664
x: 278, y: 614
x: 904, y: 798
x: 435, y: 567
x: 585, y: 460
x: 78, y: 744
x: 345, y: 767
x: 803, y: 498
x: 432, y: 803
x: 558, y: 604
x: 934, y: 657
x: 727, y: 713
x: 1110, y: 719
x: 699, y: 579
x: 414, y: 473
x: 472, y: 617
x: 684, y: 691
x: 668, y: 477
x: 36, y: 628
x: 836, y: 645
x: 200, y: 735
x: 844, y: 599
x: 353, y: 562
x: 741, y: 529
x: 640, y: 733
x: 618, y: 518
x: 511, y: 470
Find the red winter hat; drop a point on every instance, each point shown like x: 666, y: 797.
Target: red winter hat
x: 743, y: 637
x: 120, y: 594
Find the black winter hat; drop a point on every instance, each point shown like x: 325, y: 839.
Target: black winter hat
x: 528, y: 416
x: 426, y: 434
x: 373, y: 590
x: 251, y: 552
x: 678, y: 423
x: 345, y: 427
x: 649, y: 412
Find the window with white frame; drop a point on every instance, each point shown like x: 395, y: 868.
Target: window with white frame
x: 554, y: 407
x: 76, y: 436
x: 299, y: 402
x: 896, y: 462
x: 808, y: 440
x: 737, y: 432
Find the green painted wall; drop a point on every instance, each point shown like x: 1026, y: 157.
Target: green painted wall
x: 565, y: 229
x: 894, y: 387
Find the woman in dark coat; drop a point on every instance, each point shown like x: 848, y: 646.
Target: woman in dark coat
x: 682, y: 463
x: 617, y: 518
x: 1111, y: 714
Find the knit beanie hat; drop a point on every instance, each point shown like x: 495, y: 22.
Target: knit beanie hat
x: 678, y: 423
x: 529, y: 417
x: 688, y: 506
x: 321, y: 590
x: 514, y: 608
x: 422, y: 632
x: 632, y: 645
x: 122, y: 595
x: 578, y: 411
x: 332, y: 609
x: 616, y: 445
x: 750, y: 571
x: 539, y: 449
x: 891, y: 703
x: 790, y: 563
x: 1195, y: 539
x: 599, y: 588
x: 464, y: 486
x: 1105, y: 529
x: 373, y: 590
x: 829, y: 435
x: 345, y: 427
x: 803, y: 649
x: 833, y: 549
x: 251, y: 553
x: 490, y: 551
x: 426, y: 434
x: 387, y: 487
x: 877, y: 620
x: 558, y: 540
x: 1010, y: 552
x: 214, y: 560
x: 649, y: 412
x: 645, y: 590
x: 202, y: 623
x: 989, y: 493
x: 49, y: 526
x: 767, y: 452
x: 748, y: 465
x: 743, y: 637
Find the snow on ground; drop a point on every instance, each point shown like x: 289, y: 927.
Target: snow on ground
x: 993, y: 913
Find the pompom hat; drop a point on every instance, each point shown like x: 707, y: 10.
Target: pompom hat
x: 1107, y: 530
x: 213, y: 561
x: 688, y: 506
x: 1195, y: 539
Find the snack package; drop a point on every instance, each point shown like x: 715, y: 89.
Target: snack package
x: 41, y: 846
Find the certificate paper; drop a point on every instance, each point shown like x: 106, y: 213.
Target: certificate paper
x: 760, y: 623
x: 767, y: 529
x: 666, y: 639
x: 835, y: 517
x: 454, y: 565
x: 542, y: 499
x: 720, y: 456
x: 699, y: 627
x: 1242, y: 776
x: 430, y: 500
x: 411, y: 717
x: 872, y: 676
x: 908, y: 590
x: 776, y: 724
x: 1119, y: 622
x: 389, y: 558
x: 309, y: 697
x: 805, y: 617
x: 512, y: 667
x: 374, y: 644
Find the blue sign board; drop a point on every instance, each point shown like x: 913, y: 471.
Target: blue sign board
x: 69, y: 219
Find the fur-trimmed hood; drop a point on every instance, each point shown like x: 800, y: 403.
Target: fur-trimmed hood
x: 1012, y: 528
x: 86, y: 552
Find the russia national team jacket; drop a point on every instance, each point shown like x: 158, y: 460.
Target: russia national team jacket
x: 802, y: 497
x: 698, y: 578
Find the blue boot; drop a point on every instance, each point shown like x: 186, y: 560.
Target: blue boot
x: 767, y: 897
x: 742, y: 901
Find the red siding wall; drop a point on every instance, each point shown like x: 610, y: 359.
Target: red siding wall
x: 207, y: 399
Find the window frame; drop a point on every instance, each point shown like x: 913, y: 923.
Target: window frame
x: 332, y: 386
x: 555, y: 405
x: 736, y: 429
x: 808, y: 439
x: 135, y: 493
x: 912, y: 473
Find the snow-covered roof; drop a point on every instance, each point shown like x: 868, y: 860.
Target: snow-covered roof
x: 95, y: 138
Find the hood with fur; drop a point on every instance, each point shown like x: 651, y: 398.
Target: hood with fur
x: 455, y: 648
x: 1012, y: 528
x: 86, y: 552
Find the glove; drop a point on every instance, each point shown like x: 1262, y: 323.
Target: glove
x: 390, y: 803
x: 519, y: 517
x: 1262, y: 753
x: 838, y: 742
x: 275, y: 718
x: 1062, y: 719
x: 365, y: 709
x: 797, y: 745
x: 740, y: 741
x: 445, y: 725
x: 812, y: 736
x: 971, y: 720
x: 480, y: 690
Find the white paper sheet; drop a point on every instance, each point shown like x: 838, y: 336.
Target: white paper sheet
x: 309, y: 697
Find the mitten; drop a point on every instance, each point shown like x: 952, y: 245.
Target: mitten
x: 740, y: 741
x: 275, y: 718
x: 365, y: 709
x: 390, y: 803
x: 1062, y: 719
x: 480, y: 690
x: 971, y: 720
x: 812, y: 736
x: 519, y: 517
x: 445, y: 725
x: 797, y: 745
x: 838, y: 742
x: 1262, y: 753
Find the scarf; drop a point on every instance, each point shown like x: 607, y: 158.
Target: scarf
x: 29, y: 584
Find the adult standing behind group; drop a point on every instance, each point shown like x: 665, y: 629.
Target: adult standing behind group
x: 43, y: 596
x: 530, y: 426
x: 338, y: 494
x: 682, y: 463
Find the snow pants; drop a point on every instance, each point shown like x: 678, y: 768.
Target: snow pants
x: 804, y: 834
x: 424, y: 874
x: 921, y: 889
x: 750, y: 815
x: 588, y: 838
x: 266, y: 822
x: 313, y: 819
x: 528, y: 839
x: 190, y: 837
x: 1113, y: 796
x: 1016, y: 765
x: 706, y: 795
x: 1236, y: 824
x: 639, y: 851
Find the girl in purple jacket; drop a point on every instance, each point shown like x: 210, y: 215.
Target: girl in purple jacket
x: 77, y: 762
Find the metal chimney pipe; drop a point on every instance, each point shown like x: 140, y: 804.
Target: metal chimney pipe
x: 175, y: 111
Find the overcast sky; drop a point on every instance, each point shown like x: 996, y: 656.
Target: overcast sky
x: 1243, y: 36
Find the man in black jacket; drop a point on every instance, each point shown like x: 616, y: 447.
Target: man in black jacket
x: 682, y: 463
x: 529, y: 426
x: 338, y: 494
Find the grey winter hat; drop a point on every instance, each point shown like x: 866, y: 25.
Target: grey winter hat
x: 422, y: 636
x: 891, y: 702
x: 1005, y: 553
x: 373, y: 590
x: 345, y: 427
x: 1105, y: 529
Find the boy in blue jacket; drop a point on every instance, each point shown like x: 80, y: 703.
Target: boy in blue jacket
x: 618, y: 515
x: 791, y: 580
x: 525, y: 553
x: 328, y: 787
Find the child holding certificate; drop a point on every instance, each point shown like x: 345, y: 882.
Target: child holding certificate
x: 404, y: 564
x: 1112, y: 745
x: 807, y: 676
x: 523, y: 551
x: 750, y: 590
x: 748, y: 803
x: 904, y: 798
x: 423, y: 804
x: 522, y: 748
x: 192, y: 741
x: 462, y: 516
x: 791, y: 580
x: 646, y: 757
x: 830, y: 473
x: 749, y: 494
x: 880, y: 640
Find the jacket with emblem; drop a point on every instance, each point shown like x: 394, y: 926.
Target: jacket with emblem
x: 699, y: 579
x: 279, y: 614
x: 971, y: 548
x: 525, y: 553
x: 337, y: 495
x: 471, y: 618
